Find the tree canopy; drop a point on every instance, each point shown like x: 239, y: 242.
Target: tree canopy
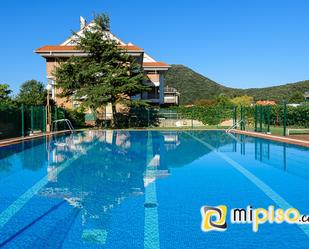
x: 106, y: 75
x: 244, y: 100
x: 32, y: 92
x: 5, y: 98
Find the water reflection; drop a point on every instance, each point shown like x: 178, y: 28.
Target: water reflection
x: 290, y: 158
x: 96, y: 171
x: 108, y: 168
x: 27, y: 153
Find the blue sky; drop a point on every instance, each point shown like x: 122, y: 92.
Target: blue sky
x: 238, y: 43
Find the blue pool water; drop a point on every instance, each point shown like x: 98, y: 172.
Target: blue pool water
x: 144, y: 189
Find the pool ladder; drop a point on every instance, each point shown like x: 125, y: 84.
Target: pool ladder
x: 234, y: 125
x: 67, y: 121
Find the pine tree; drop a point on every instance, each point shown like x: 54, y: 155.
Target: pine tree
x: 106, y: 75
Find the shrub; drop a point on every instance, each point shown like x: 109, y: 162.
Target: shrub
x: 77, y: 117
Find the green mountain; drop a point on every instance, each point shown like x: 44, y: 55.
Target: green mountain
x: 194, y: 86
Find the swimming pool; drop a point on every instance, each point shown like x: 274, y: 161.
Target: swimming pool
x: 145, y: 189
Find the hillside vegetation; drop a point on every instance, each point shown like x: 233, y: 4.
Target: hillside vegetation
x: 194, y: 86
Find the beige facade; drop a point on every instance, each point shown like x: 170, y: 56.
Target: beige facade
x: 153, y: 69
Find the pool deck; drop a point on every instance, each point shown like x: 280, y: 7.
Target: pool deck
x: 16, y: 140
x: 302, y: 140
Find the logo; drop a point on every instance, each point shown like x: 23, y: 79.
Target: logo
x: 213, y: 218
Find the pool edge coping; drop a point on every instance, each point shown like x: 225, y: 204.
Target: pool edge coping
x: 287, y: 140
x: 17, y: 140
x: 273, y: 138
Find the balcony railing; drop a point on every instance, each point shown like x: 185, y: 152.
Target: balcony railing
x: 170, y: 90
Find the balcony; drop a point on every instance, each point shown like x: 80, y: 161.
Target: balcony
x: 171, y: 100
x: 171, y: 96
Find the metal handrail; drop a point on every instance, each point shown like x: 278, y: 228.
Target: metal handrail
x: 234, y: 125
x: 67, y: 121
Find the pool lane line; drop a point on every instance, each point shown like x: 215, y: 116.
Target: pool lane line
x: 18, y: 204
x: 151, y: 226
x: 53, y: 208
x: 255, y: 180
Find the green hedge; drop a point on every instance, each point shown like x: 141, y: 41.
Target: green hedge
x: 215, y: 114
x: 208, y: 115
x: 296, y: 116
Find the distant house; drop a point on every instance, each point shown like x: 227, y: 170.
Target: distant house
x: 154, y: 70
x: 306, y: 95
x: 265, y: 102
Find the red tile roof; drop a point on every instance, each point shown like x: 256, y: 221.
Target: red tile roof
x: 266, y: 102
x: 56, y: 48
x: 155, y: 64
x: 49, y: 48
x: 131, y: 48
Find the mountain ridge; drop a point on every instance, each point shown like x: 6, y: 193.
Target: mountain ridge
x: 194, y: 86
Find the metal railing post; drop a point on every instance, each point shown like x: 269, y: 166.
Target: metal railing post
x: 241, y: 118
x: 22, y: 121
x: 256, y: 118
x: 43, y: 119
x: 235, y: 116
x: 31, y: 118
x: 284, y: 118
x: 268, y: 118
x: 56, y: 118
x: 261, y: 118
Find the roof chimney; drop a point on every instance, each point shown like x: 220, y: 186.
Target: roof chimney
x: 82, y: 22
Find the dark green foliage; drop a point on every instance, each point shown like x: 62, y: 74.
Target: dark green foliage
x: 194, y: 87
x: 297, y: 97
x: 77, y: 118
x: 10, y: 122
x: 6, y: 101
x: 106, y: 75
x: 5, y: 92
x: 32, y: 92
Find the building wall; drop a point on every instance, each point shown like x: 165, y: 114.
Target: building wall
x: 51, y: 64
